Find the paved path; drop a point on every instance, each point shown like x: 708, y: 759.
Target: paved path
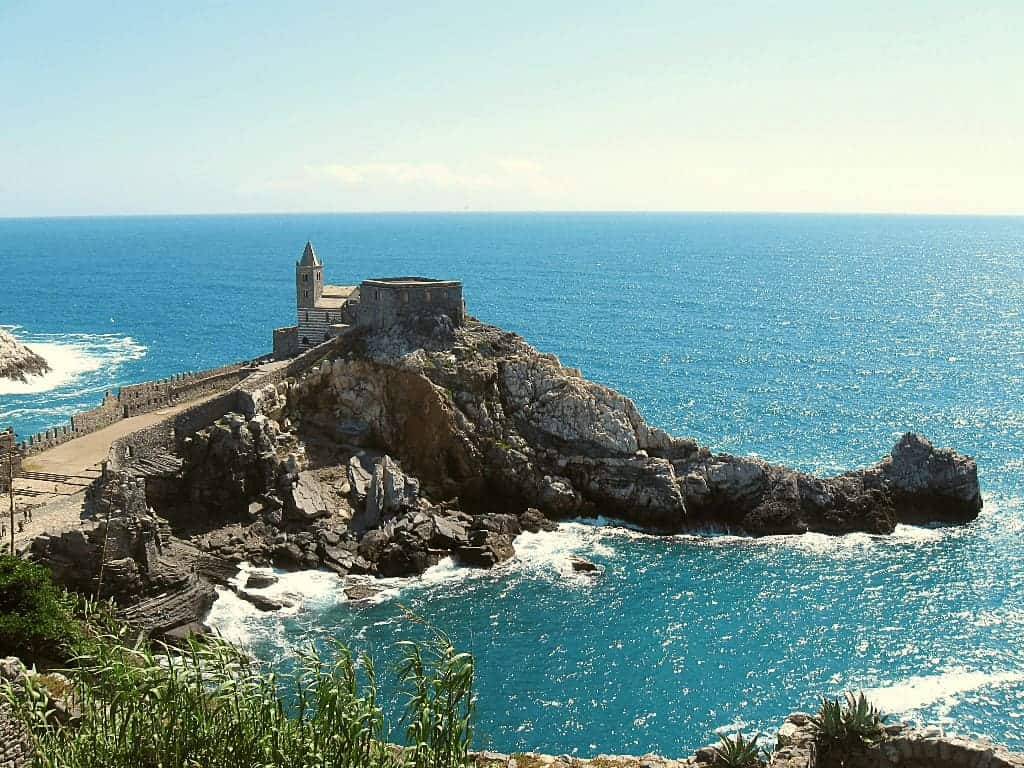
x: 53, y: 482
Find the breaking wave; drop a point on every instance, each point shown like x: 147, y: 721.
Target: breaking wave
x: 82, y: 365
x: 917, y: 693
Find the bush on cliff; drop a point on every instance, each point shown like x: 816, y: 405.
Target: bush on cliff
x: 36, y: 618
x: 851, y: 725
x: 207, y: 704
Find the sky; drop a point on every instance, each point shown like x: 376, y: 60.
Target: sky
x: 150, y: 107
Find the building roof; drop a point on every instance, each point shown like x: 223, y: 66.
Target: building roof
x: 309, y: 257
x: 334, y: 296
x: 409, y: 281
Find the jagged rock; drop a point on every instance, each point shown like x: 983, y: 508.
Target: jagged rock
x: 389, y: 492
x: 533, y: 521
x: 457, y: 427
x: 497, y: 523
x: 372, y: 544
x: 17, y: 361
x: 311, y: 499
x: 449, y: 532
x: 928, y: 483
x: 260, y: 580
x: 360, y: 592
x: 359, y: 478
x: 582, y: 565
x: 262, y: 602
x: 487, y: 549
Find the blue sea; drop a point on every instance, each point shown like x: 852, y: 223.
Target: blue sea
x: 812, y: 340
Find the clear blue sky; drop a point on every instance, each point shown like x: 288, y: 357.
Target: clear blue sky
x: 144, y: 107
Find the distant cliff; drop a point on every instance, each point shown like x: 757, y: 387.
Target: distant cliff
x: 17, y: 361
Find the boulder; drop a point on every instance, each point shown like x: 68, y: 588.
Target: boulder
x: 361, y: 592
x: 260, y: 580
x: 533, y: 520
x: 487, y: 549
x: 582, y: 565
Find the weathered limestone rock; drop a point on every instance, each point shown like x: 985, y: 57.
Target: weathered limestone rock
x: 17, y: 361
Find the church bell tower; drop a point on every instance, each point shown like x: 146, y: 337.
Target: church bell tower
x: 309, y: 279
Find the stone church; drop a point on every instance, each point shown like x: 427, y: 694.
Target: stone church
x: 325, y: 311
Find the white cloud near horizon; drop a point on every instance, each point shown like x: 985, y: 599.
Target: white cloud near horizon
x: 506, y: 173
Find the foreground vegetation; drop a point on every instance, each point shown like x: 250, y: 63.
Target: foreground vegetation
x: 123, y: 701
x: 209, y: 705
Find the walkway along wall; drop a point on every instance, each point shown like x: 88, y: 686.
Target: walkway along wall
x: 134, y: 399
x: 166, y: 436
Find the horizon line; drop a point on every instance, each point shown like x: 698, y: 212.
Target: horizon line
x: 516, y: 211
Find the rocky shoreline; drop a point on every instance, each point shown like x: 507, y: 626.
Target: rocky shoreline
x: 380, y: 454
x: 18, y: 362
x: 383, y: 453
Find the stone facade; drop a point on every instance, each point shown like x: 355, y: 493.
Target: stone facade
x: 323, y: 311
x: 8, y: 446
x: 327, y: 311
x: 388, y: 300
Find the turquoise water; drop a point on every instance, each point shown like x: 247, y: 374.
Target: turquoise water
x: 813, y: 340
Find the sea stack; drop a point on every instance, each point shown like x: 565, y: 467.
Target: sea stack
x: 17, y: 361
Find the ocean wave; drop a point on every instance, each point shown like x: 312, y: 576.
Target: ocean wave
x: 72, y: 356
x: 547, y: 554
x: 917, y: 693
x: 814, y: 542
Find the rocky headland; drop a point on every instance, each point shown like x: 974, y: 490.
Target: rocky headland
x: 18, y: 362
x: 378, y: 454
x: 385, y: 452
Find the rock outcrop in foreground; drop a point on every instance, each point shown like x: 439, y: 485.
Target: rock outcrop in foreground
x: 17, y: 361
x: 390, y: 451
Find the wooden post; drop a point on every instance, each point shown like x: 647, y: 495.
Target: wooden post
x: 10, y: 490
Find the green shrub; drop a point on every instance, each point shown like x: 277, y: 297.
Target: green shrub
x: 36, y: 618
x: 853, y: 723
x: 209, y: 705
x: 440, y: 706
x: 863, y: 720
x: 738, y: 752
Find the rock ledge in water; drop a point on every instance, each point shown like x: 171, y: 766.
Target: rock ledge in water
x: 17, y: 361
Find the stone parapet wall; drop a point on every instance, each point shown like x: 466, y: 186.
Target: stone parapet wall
x: 8, y: 448
x: 101, y: 416
x: 166, y: 436
x: 153, y: 395
x: 135, y: 399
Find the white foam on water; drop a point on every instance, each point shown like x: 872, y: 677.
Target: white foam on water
x: 71, y: 356
x: 813, y: 542
x: 552, y: 551
x: 240, y: 621
x: 916, y: 693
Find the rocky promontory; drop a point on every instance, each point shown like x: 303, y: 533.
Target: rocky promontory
x: 17, y: 361
x: 385, y: 452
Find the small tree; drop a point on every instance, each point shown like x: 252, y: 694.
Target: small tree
x: 36, y: 621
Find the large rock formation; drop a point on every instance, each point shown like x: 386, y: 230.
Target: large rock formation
x: 17, y: 361
x: 126, y: 553
x: 477, y: 413
x: 396, y: 449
